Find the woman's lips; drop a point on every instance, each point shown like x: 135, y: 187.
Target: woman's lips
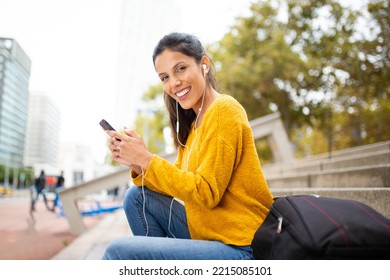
x: 183, y: 93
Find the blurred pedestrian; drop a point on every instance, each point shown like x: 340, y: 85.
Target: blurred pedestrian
x: 59, y: 185
x: 40, y: 188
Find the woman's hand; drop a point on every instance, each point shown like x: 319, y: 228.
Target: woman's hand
x: 129, y: 149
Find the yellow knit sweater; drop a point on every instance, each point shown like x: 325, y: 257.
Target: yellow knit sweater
x: 217, y: 175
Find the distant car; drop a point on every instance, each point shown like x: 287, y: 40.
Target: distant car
x: 5, y: 191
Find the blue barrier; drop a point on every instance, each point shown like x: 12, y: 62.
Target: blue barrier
x: 94, y: 211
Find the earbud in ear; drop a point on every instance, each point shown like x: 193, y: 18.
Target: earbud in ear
x: 205, y: 71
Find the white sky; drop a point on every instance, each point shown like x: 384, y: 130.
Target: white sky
x: 73, y: 47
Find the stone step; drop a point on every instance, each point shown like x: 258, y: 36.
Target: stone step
x: 375, y: 176
x: 356, y: 160
x: 377, y: 198
x: 376, y: 147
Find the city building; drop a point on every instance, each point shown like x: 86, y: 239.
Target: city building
x: 78, y: 163
x: 15, y: 67
x: 142, y: 24
x: 43, y: 131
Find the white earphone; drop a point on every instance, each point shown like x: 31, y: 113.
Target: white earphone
x: 205, y: 71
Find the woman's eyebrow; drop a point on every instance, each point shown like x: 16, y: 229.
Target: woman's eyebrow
x: 173, y: 67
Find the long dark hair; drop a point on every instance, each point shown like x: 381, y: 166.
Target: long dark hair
x: 190, y: 46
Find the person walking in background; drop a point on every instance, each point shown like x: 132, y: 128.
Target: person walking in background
x: 40, y: 188
x: 59, y: 185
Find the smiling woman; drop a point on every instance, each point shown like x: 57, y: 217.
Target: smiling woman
x: 185, y: 82
x: 212, y: 199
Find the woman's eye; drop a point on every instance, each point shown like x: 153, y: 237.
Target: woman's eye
x: 181, y: 69
x: 163, y: 78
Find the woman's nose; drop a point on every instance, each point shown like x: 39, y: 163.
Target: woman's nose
x: 175, y: 82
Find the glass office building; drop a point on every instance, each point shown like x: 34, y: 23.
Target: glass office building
x: 15, y: 68
x: 137, y: 39
x: 43, y: 131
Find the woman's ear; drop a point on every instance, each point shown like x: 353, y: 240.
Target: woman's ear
x: 205, y: 64
x: 205, y: 61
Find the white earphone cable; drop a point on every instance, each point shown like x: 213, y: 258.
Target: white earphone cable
x: 183, y: 145
x: 170, y: 217
x: 144, y: 202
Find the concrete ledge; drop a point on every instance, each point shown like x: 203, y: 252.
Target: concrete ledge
x: 373, y: 154
x: 70, y: 196
x: 359, y: 160
x: 377, y: 198
x: 376, y: 147
x: 377, y: 176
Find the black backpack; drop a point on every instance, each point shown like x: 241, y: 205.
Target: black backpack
x: 312, y: 227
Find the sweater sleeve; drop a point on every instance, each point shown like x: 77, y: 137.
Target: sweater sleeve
x: 139, y: 179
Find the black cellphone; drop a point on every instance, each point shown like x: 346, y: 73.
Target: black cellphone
x: 106, y: 126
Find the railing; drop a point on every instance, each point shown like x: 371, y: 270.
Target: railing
x: 70, y: 196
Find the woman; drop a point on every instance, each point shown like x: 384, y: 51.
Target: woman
x: 222, y: 196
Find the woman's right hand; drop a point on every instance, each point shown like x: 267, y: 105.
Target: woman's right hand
x: 128, y: 148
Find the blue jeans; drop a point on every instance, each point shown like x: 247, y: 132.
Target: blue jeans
x: 38, y: 191
x: 57, y: 197
x: 159, y: 225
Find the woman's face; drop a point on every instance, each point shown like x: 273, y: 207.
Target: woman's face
x: 182, y: 78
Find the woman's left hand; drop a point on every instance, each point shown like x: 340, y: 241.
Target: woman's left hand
x: 129, y: 149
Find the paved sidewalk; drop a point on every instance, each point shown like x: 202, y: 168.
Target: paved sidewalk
x: 34, y: 236
x: 92, y: 244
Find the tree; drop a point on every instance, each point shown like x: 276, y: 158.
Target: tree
x: 353, y: 63
x: 152, y: 120
x: 317, y: 65
x: 257, y: 66
x: 25, y: 176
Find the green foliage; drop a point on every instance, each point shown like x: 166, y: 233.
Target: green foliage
x: 310, y: 141
x: 150, y: 122
x: 264, y: 150
x: 325, y: 68
x: 22, y: 176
